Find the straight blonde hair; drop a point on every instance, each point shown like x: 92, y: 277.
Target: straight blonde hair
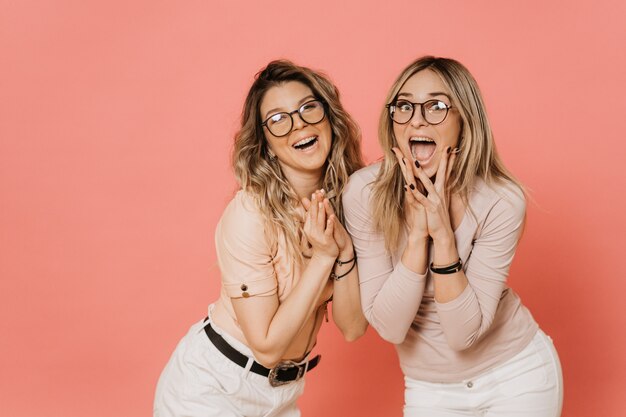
x: 477, y: 157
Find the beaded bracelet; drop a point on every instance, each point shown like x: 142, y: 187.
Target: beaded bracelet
x: 445, y: 270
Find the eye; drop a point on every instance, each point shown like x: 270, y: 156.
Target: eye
x: 404, y: 106
x: 278, y: 118
x: 310, y: 106
x: 435, y: 106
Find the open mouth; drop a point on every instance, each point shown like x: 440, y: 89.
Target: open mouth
x: 305, y: 143
x: 422, y: 148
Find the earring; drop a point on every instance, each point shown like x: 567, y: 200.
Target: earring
x: 271, y: 154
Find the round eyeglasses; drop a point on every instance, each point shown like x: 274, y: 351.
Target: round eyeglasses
x: 433, y: 111
x: 280, y: 124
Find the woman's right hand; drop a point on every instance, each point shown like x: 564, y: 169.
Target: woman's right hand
x: 319, y: 228
x: 415, y: 213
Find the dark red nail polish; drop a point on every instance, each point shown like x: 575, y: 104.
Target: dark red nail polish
x: 448, y: 150
x: 403, y: 161
x: 412, y: 186
x: 417, y: 164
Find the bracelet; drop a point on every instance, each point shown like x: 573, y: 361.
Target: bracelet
x: 340, y: 262
x: 445, y: 270
x: 338, y: 277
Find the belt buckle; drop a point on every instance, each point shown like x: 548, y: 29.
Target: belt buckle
x: 284, y: 366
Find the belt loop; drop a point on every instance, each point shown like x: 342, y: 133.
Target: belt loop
x: 246, y: 370
x: 205, y: 323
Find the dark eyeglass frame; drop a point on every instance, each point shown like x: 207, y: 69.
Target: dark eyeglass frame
x: 422, y: 110
x: 299, y: 110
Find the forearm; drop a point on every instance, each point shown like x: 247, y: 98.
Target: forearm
x: 301, y: 303
x: 449, y: 286
x: 398, y: 299
x: 415, y: 255
x: 287, y: 319
x: 347, y: 311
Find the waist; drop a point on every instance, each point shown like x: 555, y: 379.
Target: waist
x: 283, y: 373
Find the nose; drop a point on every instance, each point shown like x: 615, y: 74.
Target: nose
x: 298, y: 123
x: 418, y: 118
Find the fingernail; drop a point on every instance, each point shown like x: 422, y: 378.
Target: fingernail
x: 448, y: 150
x: 412, y: 186
x: 417, y: 164
x: 403, y: 161
x: 456, y: 150
x: 405, y: 188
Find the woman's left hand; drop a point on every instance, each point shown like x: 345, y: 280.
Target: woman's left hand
x: 344, y: 242
x: 341, y: 236
x: 437, y: 202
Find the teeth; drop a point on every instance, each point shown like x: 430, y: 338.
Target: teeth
x: 305, y: 141
x: 421, y: 139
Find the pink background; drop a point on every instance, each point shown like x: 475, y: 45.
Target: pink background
x: 116, y: 124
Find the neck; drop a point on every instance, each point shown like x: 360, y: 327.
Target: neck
x: 304, y: 183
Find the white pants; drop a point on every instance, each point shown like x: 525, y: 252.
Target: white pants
x: 528, y: 385
x: 199, y: 381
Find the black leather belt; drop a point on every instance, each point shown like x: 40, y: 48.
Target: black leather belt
x: 283, y: 373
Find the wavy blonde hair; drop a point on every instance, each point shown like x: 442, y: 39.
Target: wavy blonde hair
x: 261, y: 175
x: 477, y: 156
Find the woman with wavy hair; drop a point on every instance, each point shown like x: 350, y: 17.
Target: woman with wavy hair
x: 435, y: 226
x: 282, y: 252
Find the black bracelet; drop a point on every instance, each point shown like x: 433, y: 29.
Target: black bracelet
x: 445, y: 270
x: 338, y: 277
x: 340, y: 262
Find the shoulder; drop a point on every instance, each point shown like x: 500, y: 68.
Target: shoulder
x: 497, y: 199
x: 360, y: 183
x: 243, y: 203
x: 242, y: 213
x: 505, y: 191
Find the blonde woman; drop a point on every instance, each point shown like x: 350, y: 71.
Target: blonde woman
x: 435, y: 226
x: 282, y: 252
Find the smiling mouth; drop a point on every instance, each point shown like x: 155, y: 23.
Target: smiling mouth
x: 305, y: 143
x: 422, y: 148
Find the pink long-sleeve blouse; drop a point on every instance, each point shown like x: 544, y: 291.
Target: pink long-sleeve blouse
x: 445, y: 342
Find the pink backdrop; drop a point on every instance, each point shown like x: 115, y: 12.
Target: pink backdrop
x: 116, y: 123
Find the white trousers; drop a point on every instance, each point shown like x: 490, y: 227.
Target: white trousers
x: 528, y: 385
x: 199, y: 381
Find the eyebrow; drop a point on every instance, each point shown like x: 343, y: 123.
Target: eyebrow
x: 433, y: 94
x: 280, y: 110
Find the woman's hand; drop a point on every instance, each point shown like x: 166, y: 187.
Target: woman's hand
x: 341, y: 236
x: 415, y: 213
x: 437, y: 201
x: 319, y: 228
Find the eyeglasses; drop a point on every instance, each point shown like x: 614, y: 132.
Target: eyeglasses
x: 280, y: 124
x: 433, y: 111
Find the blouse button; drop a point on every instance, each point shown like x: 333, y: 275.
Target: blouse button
x: 245, y: 294
x: 244, y: 287
x: 470, y: 384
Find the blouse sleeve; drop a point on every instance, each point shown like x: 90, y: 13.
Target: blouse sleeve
x: 243, y: 251
x: 390, y: 294
x: 466, y: 318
